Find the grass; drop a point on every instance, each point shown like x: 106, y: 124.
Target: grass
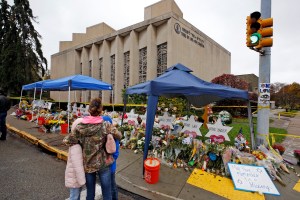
x: 244, y: 125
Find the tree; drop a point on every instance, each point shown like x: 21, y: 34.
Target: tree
x: 22, y: 59
x: 288, y: 96
x: 234, y: 82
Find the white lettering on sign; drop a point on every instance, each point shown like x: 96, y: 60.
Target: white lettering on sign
x: 252, y: 178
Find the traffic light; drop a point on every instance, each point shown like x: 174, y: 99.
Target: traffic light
x: 259, y: 31
x: 266, y: 31
x: 253, y: 26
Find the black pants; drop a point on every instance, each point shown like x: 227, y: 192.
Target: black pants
x: 3, y: 125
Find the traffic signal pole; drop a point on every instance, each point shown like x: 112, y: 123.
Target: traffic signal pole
x: 263, y: 84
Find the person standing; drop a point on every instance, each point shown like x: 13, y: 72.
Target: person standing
x: 74, y: 174
x: 91, y: 134
x: 117, y: 136
x: 4, y: 107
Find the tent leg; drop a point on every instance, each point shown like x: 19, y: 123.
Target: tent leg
x: 113, y: 100
x: 32, y: 103
x: 251, y: 125
x: 20, y: 98
x: 151, y: 110
x: 69, y: 107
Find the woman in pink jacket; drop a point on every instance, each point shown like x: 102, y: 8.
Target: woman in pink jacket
x: 74, y: 174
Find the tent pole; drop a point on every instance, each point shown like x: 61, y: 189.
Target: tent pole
x: 151, y: 110
x: 69, y: 105
x: 59, y: 99
x: 251, y: 125
x: 39, y: 108
x: 113, y: 100
x: 32, y: 102
x: 20, y: 98
x: 124, y: 107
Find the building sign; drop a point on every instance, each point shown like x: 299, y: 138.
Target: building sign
x: 264, y: 93
x: 189, y: 35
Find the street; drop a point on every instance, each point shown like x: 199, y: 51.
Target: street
x: 26, y: 172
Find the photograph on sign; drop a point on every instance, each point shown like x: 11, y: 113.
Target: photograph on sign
x: 252, y: 178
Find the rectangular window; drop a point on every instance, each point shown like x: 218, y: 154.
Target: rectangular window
x: 100, y: 74
x: 81, y: 68
x: 161, y: 58
x: 143, y: 65
x: 112, y: 75
x: 90, y: 75
x: 126, y: 68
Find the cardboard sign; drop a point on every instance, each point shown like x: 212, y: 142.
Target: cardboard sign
x: 191, y: 126
x: 218, y: 129
x: 252, y: 178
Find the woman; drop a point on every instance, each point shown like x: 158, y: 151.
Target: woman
x: 91, y: 134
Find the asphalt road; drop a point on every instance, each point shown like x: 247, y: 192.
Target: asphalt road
x: 29, y: 173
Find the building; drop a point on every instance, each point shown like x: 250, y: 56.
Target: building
x: 138, y: 53
x: 252, y: 81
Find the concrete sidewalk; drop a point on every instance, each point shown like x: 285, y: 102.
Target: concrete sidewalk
x: 172, y: 183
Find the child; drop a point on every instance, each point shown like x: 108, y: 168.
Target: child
x: 117, y: 136
x: 74, y: 174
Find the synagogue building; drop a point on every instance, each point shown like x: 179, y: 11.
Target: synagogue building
x: 137, y: 53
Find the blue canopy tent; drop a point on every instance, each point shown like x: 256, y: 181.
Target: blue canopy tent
x: 33, y: 86
x: 75, y: 82
x: 177, y: 81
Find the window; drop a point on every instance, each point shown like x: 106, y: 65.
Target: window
x: 90, y: 75
x: 161, y: 58
x: 143, y: 65
x: 112, y: 75
x: 81, y: 68
x: 100, y: 74
x: 126, y: 69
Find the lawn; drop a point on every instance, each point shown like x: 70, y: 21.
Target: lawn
x: 243, y: 123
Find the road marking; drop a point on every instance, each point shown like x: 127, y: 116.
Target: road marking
x: 221, y: 186
x: 297, y: 186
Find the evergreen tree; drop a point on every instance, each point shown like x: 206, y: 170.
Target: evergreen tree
x: 22, y: 59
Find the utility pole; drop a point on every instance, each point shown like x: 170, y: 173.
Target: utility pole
x: 264, y: 84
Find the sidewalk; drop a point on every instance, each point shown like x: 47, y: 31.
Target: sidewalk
x: 172, y: 183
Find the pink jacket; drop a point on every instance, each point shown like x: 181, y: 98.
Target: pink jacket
x: 74, y: 174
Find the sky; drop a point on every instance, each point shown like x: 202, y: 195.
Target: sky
x: 222, y: 20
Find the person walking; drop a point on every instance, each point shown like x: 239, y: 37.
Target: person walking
x: 91, y: 133
x: 117, y: 136
x: 4, y: 107
x: 74, y: 174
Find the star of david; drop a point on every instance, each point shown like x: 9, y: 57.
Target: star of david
x: 144, y: 118
x: 218, y: 129
x: 165, y: 120
x: 191, y: 126
x: 132, y: 116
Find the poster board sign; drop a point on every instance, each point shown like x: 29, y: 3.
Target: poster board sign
x: 264, y: 93
x: 252, y: 178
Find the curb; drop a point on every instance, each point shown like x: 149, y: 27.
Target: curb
x: 33, y: 140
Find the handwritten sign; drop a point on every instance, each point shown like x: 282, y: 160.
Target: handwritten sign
x: 251, y: 178
x: 191, y: 126
x: 218, y: 129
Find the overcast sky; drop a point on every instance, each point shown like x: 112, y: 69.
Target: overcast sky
x: 222, y: 20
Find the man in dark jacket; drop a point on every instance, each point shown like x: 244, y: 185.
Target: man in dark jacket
x: 4, y: 107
